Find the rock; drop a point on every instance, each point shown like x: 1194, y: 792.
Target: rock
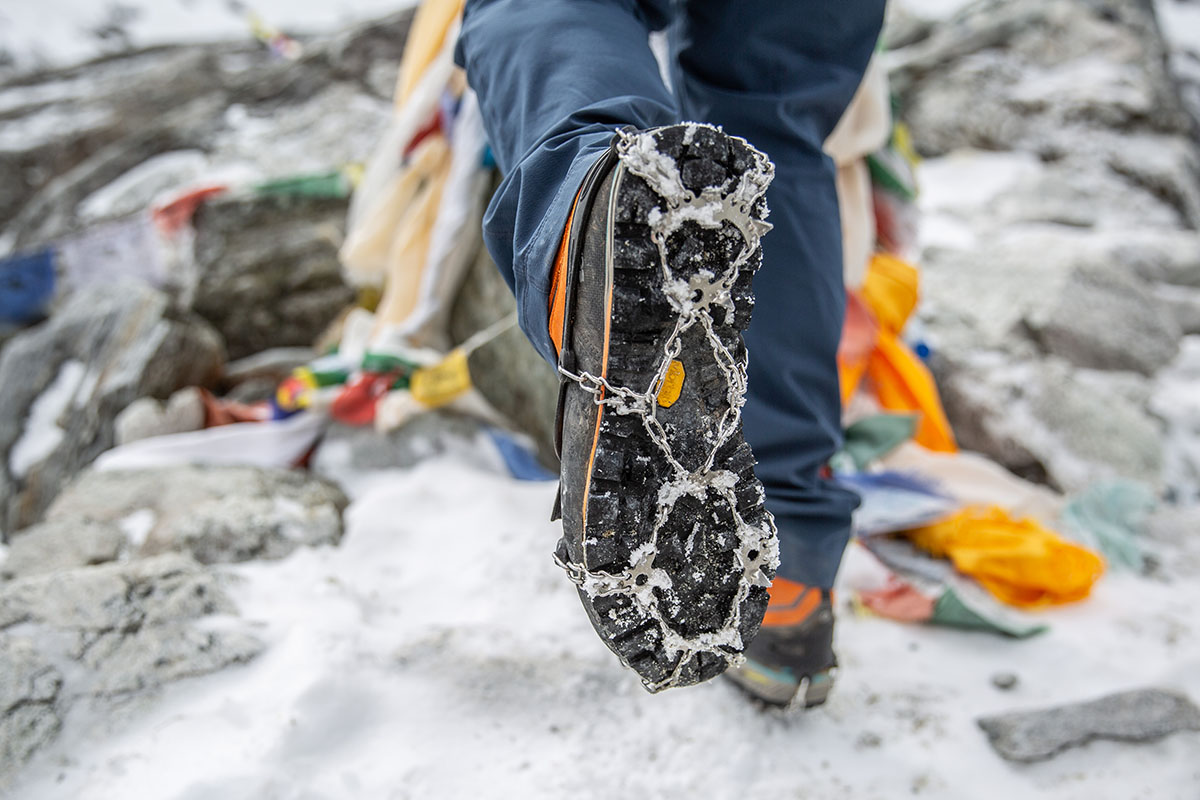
x: 1034, y: 73
x: 507, y: 371
x: 126, y: 630
x: 147, y: 417
x: 1177, y: 20
x: 1166, y: 166
x: 1171, y: 257
x: 62, y: 544
x: 63, y: 119
x: 69, y: 133
x: 255, y: 390
x: 1051, y: 423
x: 1005, y: 681
x: 363, y: 52
x: 275, y: 365
x: 216, y: 514
x: 29, y: 703
x: 1058, y: 289
x: 1141, y: 715
x: 346, y: 449
x: 1183, y: 304
x: 1106, y: 319
x: 268, y: 272
x: 69, y: 378
x: 335, y: 124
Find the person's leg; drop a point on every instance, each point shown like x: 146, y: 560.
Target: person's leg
x: 780, y: 73
x: 664, y: 527
x: 555, y: 80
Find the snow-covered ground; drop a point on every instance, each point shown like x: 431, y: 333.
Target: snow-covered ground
x: 438, y: 653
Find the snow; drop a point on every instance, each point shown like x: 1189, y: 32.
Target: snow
x: 1180, y: 23
x: 137, y: 526
x: 58, y: 32
x: 439, y: 653
x: 42, y: 432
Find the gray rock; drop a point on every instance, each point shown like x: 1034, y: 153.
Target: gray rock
x: 29, y: 703
x: 1061, y: 290
x: 1183, y: 303
x: 507, y: 371
x: 113, y: 597
x: 1166, y: 166
x: 1052, y: 423
x: 70, y: 132
x: 1105, y: 319
x: 347, y: 449
x: 1171, y: 257
x: 216, y: 514
x: 1033, y: 73
x: 147, y: 417
x: 1141, y: 715
x: 275, y: 365
x: 1005, y: 681
x: 268, y: 272
x: 108, y: 346
x: 62, y: 544
x: 111, y: 115
x: 124, y: 629
x: 255, y: 390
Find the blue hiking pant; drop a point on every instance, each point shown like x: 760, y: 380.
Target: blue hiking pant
x: 556, y: 78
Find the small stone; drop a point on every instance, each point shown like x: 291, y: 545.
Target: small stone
x: 868, y: 740
x: 147, y: 417
x: 1140, y: 715
x: 1005, y: 681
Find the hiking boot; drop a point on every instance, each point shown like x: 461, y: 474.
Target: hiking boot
x: 664, y: 528
x: 791, y: 662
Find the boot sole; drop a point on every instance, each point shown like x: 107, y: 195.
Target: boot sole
x: 678, y: 547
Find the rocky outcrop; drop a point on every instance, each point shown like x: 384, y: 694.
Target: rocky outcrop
x: 267, y: 269
x: 507, y: 371
x: 213, y: 514
x: 63, y: 383
x: 127, y: 108
x: 125, y: 630
x: 1060, y: 200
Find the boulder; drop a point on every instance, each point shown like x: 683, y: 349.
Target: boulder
x: 507, y: 371
x: 346, y: 451
x: 268, y: 274
x: 1061, y: 290
x: 146, y: 417
x: 30, y: 713
x: 63, y: 383
x: 1034, y: 73
x: 1107, y: 319
x: 215, y: 514
x: 62, y: 544
x: 124, y: 629
x: 1050, y: 422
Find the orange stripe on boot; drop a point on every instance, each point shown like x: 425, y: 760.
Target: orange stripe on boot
x: 558, y: 295
x: 791, y: 603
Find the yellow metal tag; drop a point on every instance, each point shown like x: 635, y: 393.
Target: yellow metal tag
x: 672, y: 385
x: 439, y: 384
